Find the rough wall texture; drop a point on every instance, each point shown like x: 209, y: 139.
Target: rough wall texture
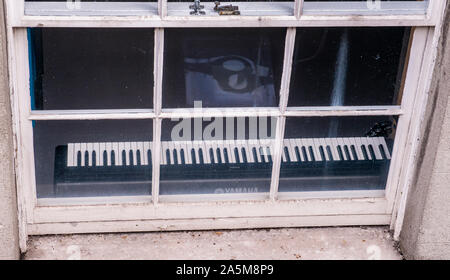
x: 8, y: 208
x: 426, y: 228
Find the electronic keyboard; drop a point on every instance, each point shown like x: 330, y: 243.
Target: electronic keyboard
x: 194, y: 166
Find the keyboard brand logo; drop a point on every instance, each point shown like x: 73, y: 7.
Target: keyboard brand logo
x: 236, y: 190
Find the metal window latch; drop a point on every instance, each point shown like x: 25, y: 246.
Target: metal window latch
x: 197, y: 8
x: 226, y: 10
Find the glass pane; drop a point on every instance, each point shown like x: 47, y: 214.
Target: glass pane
x: 237, y: 8
x: 223, y: 67
x: 349, y: 66
x: 217, y: 156
x: 93, y: 158
x: 79, y: 68
x: 336, y: 153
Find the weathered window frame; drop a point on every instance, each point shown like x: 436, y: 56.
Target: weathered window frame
x: 114, y: 214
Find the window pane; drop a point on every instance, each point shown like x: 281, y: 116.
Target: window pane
x: 349, y: 66
x: 336, y: 153
x: 76, y: 68
x: 217, y: 156
x: 223, y: 67
x: 93, y: 158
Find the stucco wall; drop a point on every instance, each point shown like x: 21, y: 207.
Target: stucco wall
x: 426, y: 229
x: 8, y: 209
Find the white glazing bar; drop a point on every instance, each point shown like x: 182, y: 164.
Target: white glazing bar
x: 162, y: 8
x: 219, y: 112
x: 277, y: 146
x: 118, y: 114
x: 298, y: 8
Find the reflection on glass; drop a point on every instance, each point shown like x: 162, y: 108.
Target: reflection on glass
x: 349, y: 66
x: 76, y: 68
x: 222, y: 67
x: 336, y: 153
x: 216, y: 156
x: 93, y: 158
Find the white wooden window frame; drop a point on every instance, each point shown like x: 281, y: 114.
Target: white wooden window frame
x: 118, y: 214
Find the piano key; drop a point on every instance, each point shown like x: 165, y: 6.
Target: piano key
x: 177, y: 148
x: 334, y: 148
x: 206, y: 154
x: 248, y: 155
x: 220, y: 146
x: 96, y: 149
x: 342, y: 144
x: 315, y: 147
x: 140, y: 148
x: 108, y: 149
x: 230, y: 151
x: 127, y: 148
x: 241, y: 144
x: 305, y: 149
x: 186, y: 152
x: 290, y: 151
x: 323, y: 144
x: 299, y: 144
x: 134, y: 149
x: 171, y: 147
x: 365, y: 143
x: 375, y: 148
x: 163, y: 153
x: 83, y: 153
x: 117, y: 154
x: 358, y: 148
x: 348, y: 145
x: 386, y: 149
x: 196, y: 148
x: 101, y: 154
x: 293, y: 145
x: 147, y: 147
x: 70, y: 156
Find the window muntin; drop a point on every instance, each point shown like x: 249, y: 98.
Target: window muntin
x: 349, y: 66
x: 222, y: 67
x: 74, y: 68
x: 93, y: 158
x: 336, y: 153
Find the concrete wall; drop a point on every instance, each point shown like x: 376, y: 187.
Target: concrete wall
x: 8, y: 208
x: 426, y: 228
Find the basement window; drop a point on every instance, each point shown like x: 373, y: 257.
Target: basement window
x: 140, y: 115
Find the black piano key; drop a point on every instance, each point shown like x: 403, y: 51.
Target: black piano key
x: 322, y: 153
x: 286, y: 153
x: 167, y: 155
x: 353, y: 150
x: 311, y: 152
x: 372, y: 152
x: 175, y: 157
x: 211, y: 155
x: 113, y: 158
x: 383, y: 153
x: 79, y: 158
x: 86, y: 158
x: 105, y: 158
x: 138, y: 158
x: 347, y: 152
x: 200, y: 155
x: 364, y: 151
x: 131, y: 156
x: 255, y: 155
x: 330, y: 154
x: 297, y: 153
x: 183, y: 160
x: 305, y: 156
x: 225, y: 154
x: 244, y: 155
x: 94, y: 158
x: 194, y: 160
x: 236, y: 155
x: 340, y: 152
x: 124, y: 158
x: 149, y: 156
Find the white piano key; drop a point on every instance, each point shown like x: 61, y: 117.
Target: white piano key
x: 358, y: 148
x: 206, y: 146
x: 373, y: 141
x: 163, y: 153
x: 177, y: 148
x: 83, y: 153
x: 108, y: 149
x: 196, y: 147
x: 101, y: 150
x: 147, y: 147
x: 140, y: 148
x: 96, y: 148
x: 365, y: 143
x: 293, y: 144
x: 316, y: 144
x: 117, y: 153
x: 248, y: 153
x: 324, y: 145
x: 306, y: 143
x: 386, y: 150
x: 253, y: 144
x: 230, y: 151
x: 221, y: 145
x: 332, y: 142
x: 291, y: 153
x: 342, y: 144
x: 186, y: 152
x: 70, y: 152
